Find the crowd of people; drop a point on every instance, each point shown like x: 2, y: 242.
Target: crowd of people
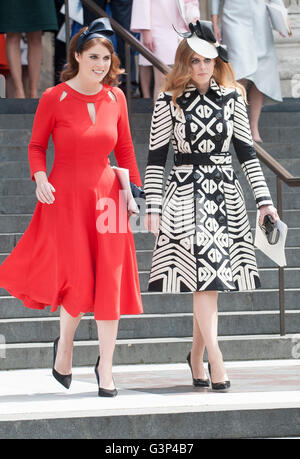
x: 246, y: 32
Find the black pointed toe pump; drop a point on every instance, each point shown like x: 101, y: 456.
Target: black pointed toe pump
x: 197, y: 382
x: 219, y: 385
x: 65, y: 380
x: 101, y: 391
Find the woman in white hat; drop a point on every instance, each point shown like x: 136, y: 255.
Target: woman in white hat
x: 204, y: 243
x: 247, y: 33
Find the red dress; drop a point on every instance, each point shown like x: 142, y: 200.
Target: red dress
x: 63, y: 258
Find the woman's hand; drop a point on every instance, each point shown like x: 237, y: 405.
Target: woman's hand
x: 289, y: 29
x: 147, y: 40
x: 152, y: 222
x: 44, y: 188
x: 217, y: 30
x: 268, y: 210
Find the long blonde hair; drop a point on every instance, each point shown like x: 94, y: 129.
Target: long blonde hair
x: 180, y: 76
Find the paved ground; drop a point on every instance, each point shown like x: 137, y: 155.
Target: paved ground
x: 35, y: 394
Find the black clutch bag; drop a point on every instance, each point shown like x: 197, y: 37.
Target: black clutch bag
x: 136, y: 191
x: 270, y: 229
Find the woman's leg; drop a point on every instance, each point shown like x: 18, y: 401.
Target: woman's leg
x: 145, y: 77
x: 68, y: 326
x: 197, y: 352
x: 13, y: 54
x: 256, y: 99
x: 107, y: 334
x: 206, y: 314
x: 34, y: 40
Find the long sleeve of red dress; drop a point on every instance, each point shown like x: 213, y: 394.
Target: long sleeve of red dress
x: 79, y: 251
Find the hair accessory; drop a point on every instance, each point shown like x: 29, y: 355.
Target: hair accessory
x: 202, y: 40
x: 100, y: 27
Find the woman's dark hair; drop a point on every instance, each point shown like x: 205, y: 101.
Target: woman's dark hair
x: 72, y: 67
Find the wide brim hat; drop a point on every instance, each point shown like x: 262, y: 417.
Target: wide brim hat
x: 99, y: 28
x: 202, y: 40
x: 202, y: 47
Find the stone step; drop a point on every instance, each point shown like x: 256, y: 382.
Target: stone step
x: 156, y: 303
x: 14, y: 223
x: 145, y: 257
x: 26, y: 204
x: 150, y: 326
x: 272, y: 119
x: 143, y: 241
x: 281, y: 134
x: 292, y: 255
x: 278, y: 134
x: 151, y: 351
x: 268, y: 278
x: 154, y: 402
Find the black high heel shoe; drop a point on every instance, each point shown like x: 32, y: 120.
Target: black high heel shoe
x: 101, y: 391
x: 220, y: 385
x: 197, y: 382
x: 65, y: 380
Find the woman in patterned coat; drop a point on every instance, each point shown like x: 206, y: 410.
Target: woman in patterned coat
x: 204, y: 242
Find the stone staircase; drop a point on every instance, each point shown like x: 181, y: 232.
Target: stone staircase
x: 248, y: 322
x: 156, y: 395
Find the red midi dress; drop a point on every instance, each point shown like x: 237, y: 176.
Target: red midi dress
x: 63, y: 258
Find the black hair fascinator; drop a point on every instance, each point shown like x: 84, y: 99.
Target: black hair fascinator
x: 98, y: 28
x: 204, y: 31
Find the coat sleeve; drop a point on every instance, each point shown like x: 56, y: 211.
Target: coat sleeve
x: 215, y: 6
x: 160, y: 135
x: 43, y: 125
x: 124, y: 150
x: 140, y: 15
x: 243, y: 145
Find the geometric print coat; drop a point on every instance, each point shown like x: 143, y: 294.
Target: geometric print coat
x: 204, y: 240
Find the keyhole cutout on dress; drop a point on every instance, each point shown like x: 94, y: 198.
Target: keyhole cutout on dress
x: 63, y: 95
x: 92, y: 111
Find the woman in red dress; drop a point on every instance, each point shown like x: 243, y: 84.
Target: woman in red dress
x: 67, y: 256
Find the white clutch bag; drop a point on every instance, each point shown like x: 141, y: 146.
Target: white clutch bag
x: 123, y: 177
x: 272, y: 244
x: 279, y: 18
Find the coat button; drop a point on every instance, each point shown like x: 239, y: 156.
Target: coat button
x: 196, y: 175
x: 193, y: 137
x: 218, y: 176
x: 219, y: 115
x: 189, y: 117
x: 218, y: 99
x: 221, y: 219
x: 219, y: 198
x: 218, y: 137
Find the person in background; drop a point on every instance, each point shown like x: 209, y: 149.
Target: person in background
x: 31, y: 17
x: 121, y: 12
x: 155, y: 19
x: 247, y: 33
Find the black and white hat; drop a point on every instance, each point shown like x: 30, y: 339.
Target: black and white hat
x: 98, y: 28
x: 202, y: 40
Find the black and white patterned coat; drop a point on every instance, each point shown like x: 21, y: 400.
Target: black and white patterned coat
x: 204, y: 241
